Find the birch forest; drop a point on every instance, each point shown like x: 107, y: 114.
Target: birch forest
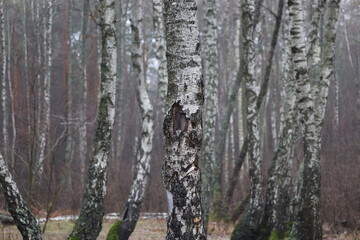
x: 180, y: 119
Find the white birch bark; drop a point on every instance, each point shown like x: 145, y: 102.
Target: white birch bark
x: 45, y: 112
x: 93, y: 201
x: 276, y: 214
x: 4, y: 107
x: 132, y: 209
x: 159, y: 32
x: 246, y: 228
x: 210, y: 74
x: 183, y: 122
x: 83, y: 90
x: 24, y: 220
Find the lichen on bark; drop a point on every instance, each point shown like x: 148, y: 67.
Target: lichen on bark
x: 89, y: 223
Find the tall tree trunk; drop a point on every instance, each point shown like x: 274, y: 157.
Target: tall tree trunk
x: 89, y: 223
x: 45, y: 109
x: 83, y: 91
x: 247, y: 227
x: 123, y: 230
x: 276, y: 214
x: 24, y: 220
x: 159, y: 29
x: 69, y: 149
x: 260, y: 99
x: 224, y: 125
x: 4, y: 106
x: 182, y: 124
x: 210, y: 73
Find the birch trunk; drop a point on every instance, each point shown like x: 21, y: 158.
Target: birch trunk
x: 69, y: 149
x: 246, y: 228
x: 159, y: 29
x: 124, y: 229
x: 24, y: 220
x: 45, y: 111
x: 182, y: 124
x: 276, y: 214
x: 83, y: 90
x: 260, y: 99
x: 210, y: 73
x: 3, y: 81
x: 160, y: 49
x: 89, y: 223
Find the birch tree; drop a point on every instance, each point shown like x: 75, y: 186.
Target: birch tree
x: 307, y: 221
x: 210, y: 73
x: 89, y: 223
x: 276, y: 213
x: 247, y: 227
x: 4, y: 106
x: 123, y: 229
x: 183, y: 121
x: 159, y: 29
x: 45, y: 105
x: 24, y: 219
x: 83, y: 88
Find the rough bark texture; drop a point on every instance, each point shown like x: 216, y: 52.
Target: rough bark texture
x: 24, y: 220
x: 307, y: 216
x: 276, y: 214
x: 260, y: 99
x: 307, y: 222
x: 247, y: 227
x: 133, y: 206
x: 183, y: 122
x: 210, y: 73
x: 89, y: 222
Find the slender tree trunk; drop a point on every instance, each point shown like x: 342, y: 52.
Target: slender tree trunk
x: 69, y: 149
x: 24, y: 220
x: 123, y: 230
x: 307, y: 222
x: 83, y: 90
x: 276, y: 214
x: 45, y: 124
x: 210, y: 73
x: 260, y: 99
x: 3, y: 81
x: 183, y: 122
x: 246, y: 228
x: 89, y: 223
x: 159, y: 29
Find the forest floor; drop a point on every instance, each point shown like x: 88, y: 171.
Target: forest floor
x: 146, y: 229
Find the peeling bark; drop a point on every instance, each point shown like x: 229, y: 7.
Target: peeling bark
x: 183, y: 122
x: 24, y: 220
x: 89, y: 223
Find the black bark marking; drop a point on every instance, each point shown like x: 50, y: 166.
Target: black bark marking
x: 180, y: 122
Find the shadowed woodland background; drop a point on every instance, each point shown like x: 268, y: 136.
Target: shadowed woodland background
x: 58, y: 189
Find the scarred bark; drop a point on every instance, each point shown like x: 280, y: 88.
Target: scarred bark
x: 24, y: 220
x: 89, y: 223
x: 183, y: 122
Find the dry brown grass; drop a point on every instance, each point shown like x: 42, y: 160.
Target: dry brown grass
x: 154, y: 229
